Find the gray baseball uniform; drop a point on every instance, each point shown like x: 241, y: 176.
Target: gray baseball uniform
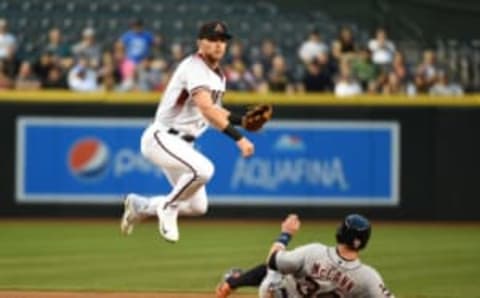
x: 315, y: 269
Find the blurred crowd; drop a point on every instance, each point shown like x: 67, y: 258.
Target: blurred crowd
x: 140, y: 60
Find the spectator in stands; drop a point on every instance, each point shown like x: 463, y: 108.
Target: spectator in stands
x: 177, y: 54
x: 443, y: 86
x: 268, y: 51
x: 109, y: 71
x: 312, y: 47
x: 59, y: 49
x: 125, y: 67
x: 88, y: 47
x: 316, y: 78
x: 363, y: 68
x: 160, y: 57
x: 236, y: 52
x: 336, y: 51
x: 160, y: 66
x: 383, y: 50
x: 345, y: 42
x: 55, y: 79
x: 26, y: 79
x: 346, y: 84
x: 5, y: 81
x: 82, y: 77
x: 400, y: 68
x: 43, y: 65
x: 109, y: 75
x: 257, y: 81
x: 160, y: 47
x: 11, y: 63
x: 426, y: 73
x: 237, y: 75
x: 148, y: 75
x: 328, y: 64
x: 393, y: 85
x: 236, y: 69
x: 137, y: 42
x: 108, y: 84
x: 7, y: 40
x: 279, y: 79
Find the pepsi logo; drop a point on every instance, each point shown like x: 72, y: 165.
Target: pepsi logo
x: 88, y: 158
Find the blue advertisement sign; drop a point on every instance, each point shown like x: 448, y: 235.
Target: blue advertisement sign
x: 98, y: 160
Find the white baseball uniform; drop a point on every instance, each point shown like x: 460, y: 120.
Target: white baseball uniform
x: 316, y: 270
x: 168, y: 140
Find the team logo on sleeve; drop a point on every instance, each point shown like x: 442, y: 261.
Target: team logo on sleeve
x: 88, y: 158
x: 386, y: 292
x: 357, y: 243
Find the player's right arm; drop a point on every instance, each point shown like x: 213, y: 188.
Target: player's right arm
x: 292, y: 261
x: 218, y: 118
x: 277, y: 253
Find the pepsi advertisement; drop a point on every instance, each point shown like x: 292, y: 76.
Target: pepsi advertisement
x: 98, y: 160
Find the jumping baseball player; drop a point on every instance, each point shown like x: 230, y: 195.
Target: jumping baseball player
x: 191, y: 101
x: 315, y: 270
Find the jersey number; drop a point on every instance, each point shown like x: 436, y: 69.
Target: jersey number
x: 309, y: 288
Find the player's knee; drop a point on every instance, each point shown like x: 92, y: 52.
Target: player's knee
x: 205, y: 173
x: 200, y: 209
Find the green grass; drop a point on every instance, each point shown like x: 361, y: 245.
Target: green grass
x: 415, y: 260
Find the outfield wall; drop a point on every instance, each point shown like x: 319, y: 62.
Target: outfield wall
x: 434, y: 176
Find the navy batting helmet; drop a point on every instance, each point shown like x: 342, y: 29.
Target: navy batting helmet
x: 354, y: 231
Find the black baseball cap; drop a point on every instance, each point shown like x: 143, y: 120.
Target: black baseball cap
x: 214, y: 29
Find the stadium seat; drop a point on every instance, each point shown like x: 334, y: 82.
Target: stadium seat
x: 178, y: 20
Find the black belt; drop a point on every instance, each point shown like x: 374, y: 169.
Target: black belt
x: 185, y: 137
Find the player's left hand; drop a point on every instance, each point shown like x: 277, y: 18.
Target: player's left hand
x: 246, y: 147
x: 291, y: 224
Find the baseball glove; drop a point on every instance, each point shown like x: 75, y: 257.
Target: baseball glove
x: 256, y: 117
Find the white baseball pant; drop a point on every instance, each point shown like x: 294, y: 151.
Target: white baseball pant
x: 187, y: 170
